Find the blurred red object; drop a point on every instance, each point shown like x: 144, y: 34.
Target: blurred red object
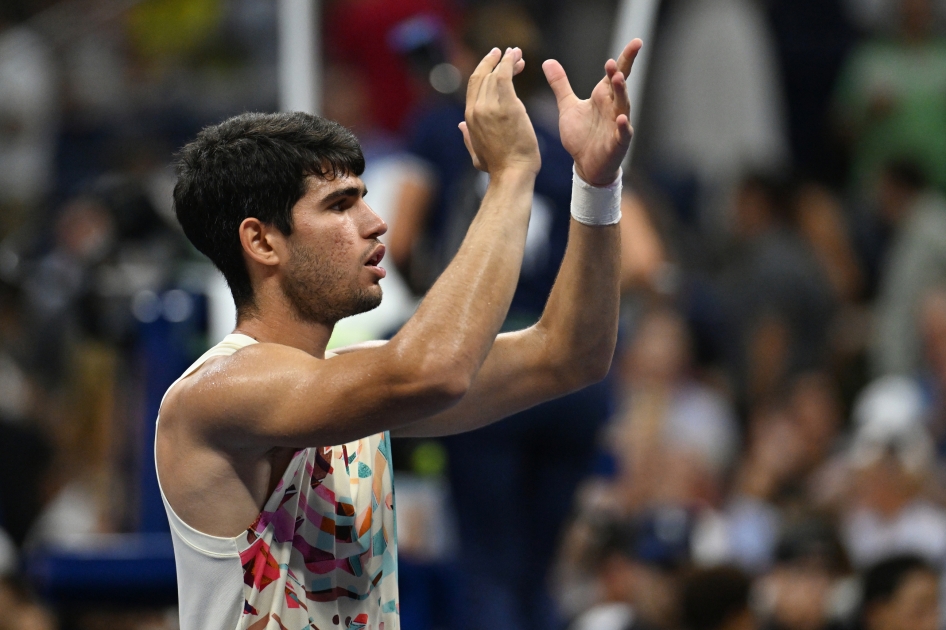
x: 358, y: 32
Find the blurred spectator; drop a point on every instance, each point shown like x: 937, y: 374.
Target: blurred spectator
x: 891, y: 455
x: 916, y: 262
x: 787, y: 452
x: 771, y: 461
x: 779, y: 302
x: 639, y: 566
x: 881, y: 17
x: 890, y: 98
x: 107, y: 247
x: 838, y: 242
x: 675, y: 438
x: 107, y: 244
x: 713, y: 108
x: 932, y: 329
x: 441, y: 193
x: 25, y: 452
x: 809, y: 577
x: 717, y: 599
x: 28, y: 115
x: 821, y: 222
x: 900, y: 593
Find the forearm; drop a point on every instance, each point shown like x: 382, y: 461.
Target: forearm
x: 462, y: 313
x: 569, y: 348
x: 580, y: 320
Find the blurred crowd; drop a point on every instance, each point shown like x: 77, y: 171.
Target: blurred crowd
x: 769, y: 450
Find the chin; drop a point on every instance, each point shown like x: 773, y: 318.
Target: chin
x: 367, y: 301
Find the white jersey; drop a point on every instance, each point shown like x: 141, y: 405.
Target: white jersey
x: 321, y: 554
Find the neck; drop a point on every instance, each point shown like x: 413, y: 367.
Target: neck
x: 283, y: 327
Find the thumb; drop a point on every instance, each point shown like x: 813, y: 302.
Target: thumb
x: 558, y: 81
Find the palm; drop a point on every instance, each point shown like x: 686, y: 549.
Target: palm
x: 590, y: 134
x: 596, y: 131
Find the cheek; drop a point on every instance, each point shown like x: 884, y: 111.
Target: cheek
x: 332, y: 241
x: 344, y: 238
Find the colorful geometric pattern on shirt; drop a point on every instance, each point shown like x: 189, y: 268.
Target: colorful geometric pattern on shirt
x: 324, y: 549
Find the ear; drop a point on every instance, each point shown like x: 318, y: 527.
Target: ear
x: 260, y: 241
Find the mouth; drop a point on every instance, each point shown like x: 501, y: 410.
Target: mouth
x: 375, y: 260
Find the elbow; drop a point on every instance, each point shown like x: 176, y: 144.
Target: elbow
x: 448, y: 389
x: 599, y: 369
x: 594, y: 369
x: 440, y: 386
x: 582, y: 368
x: 427, y: 380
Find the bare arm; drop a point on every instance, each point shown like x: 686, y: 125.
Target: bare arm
x: 270, y: 395
x: 572, y: 344
x: 569, y: 348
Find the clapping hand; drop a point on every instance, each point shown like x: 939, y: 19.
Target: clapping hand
x: 497, y: 130
x: 596, y: 131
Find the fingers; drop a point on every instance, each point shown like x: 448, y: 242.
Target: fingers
x: 488, y: 65
x: 624, y: 130
x: 619, y: 90
x: 506, y: 67
x: 482, y: 71
x: 500, y: 81
x: 498, y: 85
x: 610, y: 67
x: 626, y: 59
x: 558, y: 81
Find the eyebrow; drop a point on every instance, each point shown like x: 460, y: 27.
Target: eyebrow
x: 351, y: 191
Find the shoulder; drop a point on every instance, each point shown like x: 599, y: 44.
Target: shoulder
x: 230, y: 386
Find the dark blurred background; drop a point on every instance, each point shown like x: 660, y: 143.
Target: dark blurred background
x: 768, y: 452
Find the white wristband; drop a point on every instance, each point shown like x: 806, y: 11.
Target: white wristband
x: 594, y: 205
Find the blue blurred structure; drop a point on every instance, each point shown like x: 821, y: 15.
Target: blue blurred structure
x: 430, y: 595
x: 127, y: 569
x: 167, y: 349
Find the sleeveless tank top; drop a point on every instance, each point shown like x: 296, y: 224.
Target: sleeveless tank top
x: 322, y: 554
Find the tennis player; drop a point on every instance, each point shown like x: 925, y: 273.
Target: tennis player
x: 273, y: 455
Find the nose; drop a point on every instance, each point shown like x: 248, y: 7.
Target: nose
x: 373, y: 226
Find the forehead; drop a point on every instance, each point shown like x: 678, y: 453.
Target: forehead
x: 318, y: 188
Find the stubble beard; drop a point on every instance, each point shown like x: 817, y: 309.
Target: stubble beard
x: 318, y: 291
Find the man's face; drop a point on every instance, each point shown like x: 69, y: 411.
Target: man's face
x: 333, y: 252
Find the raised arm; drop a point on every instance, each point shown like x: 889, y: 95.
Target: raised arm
x: 572, y: 344
x: 270, y: 395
